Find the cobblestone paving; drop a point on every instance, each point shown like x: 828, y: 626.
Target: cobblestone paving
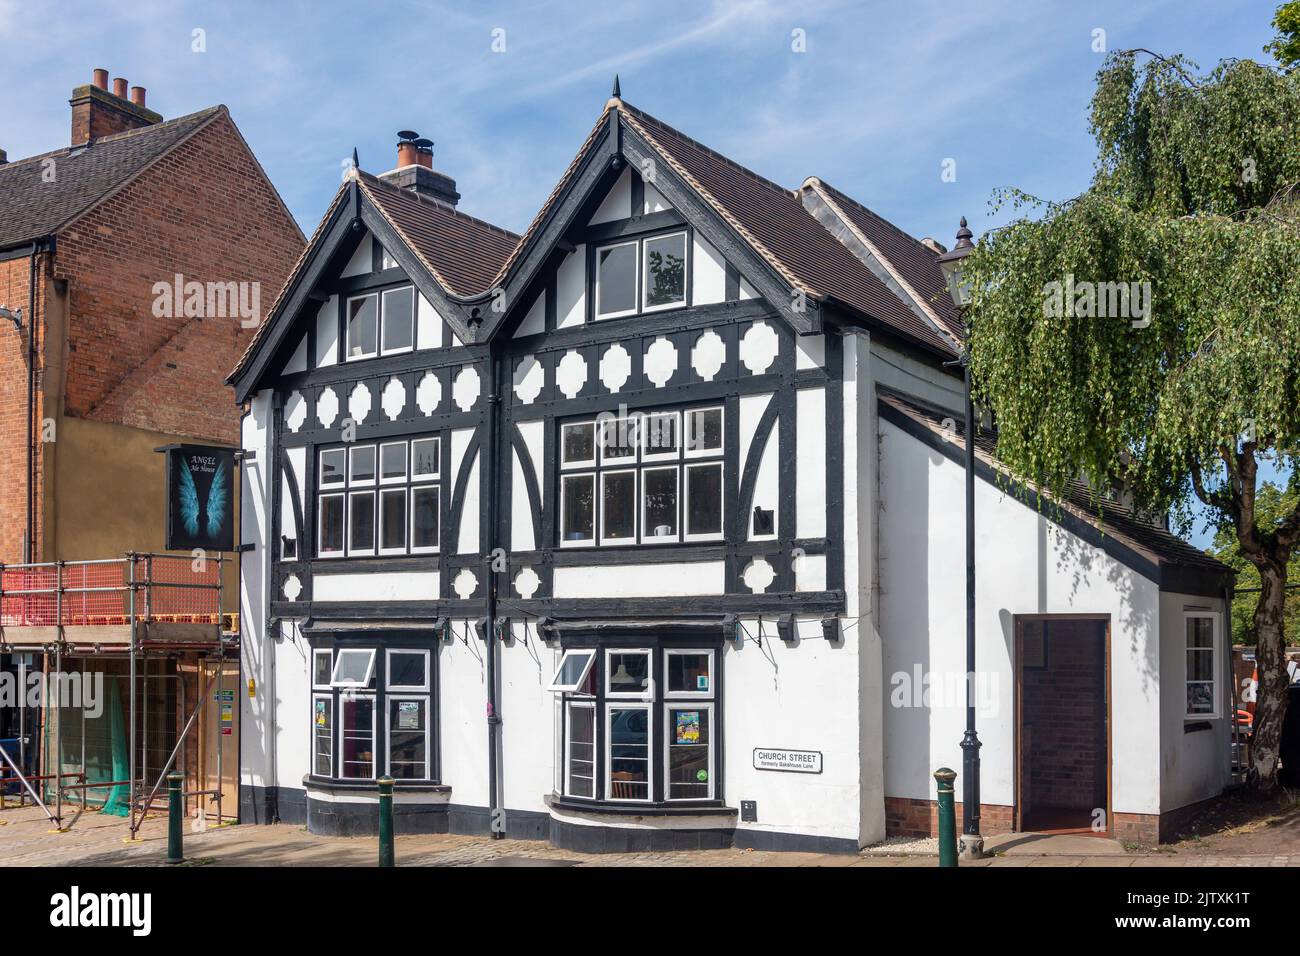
x: 95, y: 840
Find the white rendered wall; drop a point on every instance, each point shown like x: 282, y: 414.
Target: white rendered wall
x: 254, y: 495
x: 462, y: 688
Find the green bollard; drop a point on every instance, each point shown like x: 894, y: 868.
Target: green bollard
x: 386, y: 821
x: 175, y: 816
x: 947, y: 817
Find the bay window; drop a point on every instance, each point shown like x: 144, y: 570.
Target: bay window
x: 638, y: 724
x: 372, y: 713
x: 640, y: 275
x: 640, y: 479
x: 379, y: 499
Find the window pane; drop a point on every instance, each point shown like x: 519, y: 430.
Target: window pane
x: 618, y: 438
x: 688, y: 754
x: 399, y: 311
x: 1200, y: 697
x: 392, y: 461
x: 424, y: 517
x: 629, y: 673
x: 392, y: 514
x: 358, y: 721
x: 579, y: 507
x: 629, y: 753
x: 665, y: 270
x: 616, y: 279
x: 407, y: 739
x: 1200, y: 632
x: 660, y: 490
x: 406, y: 668
x: 363, y: 463
x: 619, y: 515
x: 572, y: 667
x: 704, y: 499
x: 704, y: 430
x: 352, y: 666
x: 324, y: 665
x: 1200, y: 665
x: 331, y: 524
x: 689, y: 674
x: 425, y: 458
x: 659, y: 434
x: 579, y: 443
x: 331, y: 466
x: 582, y: 751
x: 361, y: 529
x: 322, y: 731
x: 362, y: 326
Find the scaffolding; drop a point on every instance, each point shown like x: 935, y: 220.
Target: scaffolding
x: 141, y: 608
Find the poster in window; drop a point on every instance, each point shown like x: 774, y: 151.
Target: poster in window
x: 200, y: 498
x: 688, y: 727
x: 408, y: 715
x: 322, y: 718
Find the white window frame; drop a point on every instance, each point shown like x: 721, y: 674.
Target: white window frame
x: 320, y: 524
x: 347, y: 327
x: 595, y: 445
x: 374, y: 742
x: 370, y: 667
x: 631, y: 421
x: 685, y: 494
x: 383, y: 319
x: 633, y: 471
x: 643, y: 269
x: 363, y: 482
x: 595, y: 510
x: 406, y: 463
x: 1216, y: 683
x: 647, y: 535
x: 669, y: 694
x: 379, y: 521
x: 352, y: 550
x: 320, y: 470
x: 646, y: 695
x: 636, y: 280
x: 671, y: 704
x: 687, y: 451
x: 410, y: 460
x: 647, y: 455
x: 569, y: 706
x: 557, y: 688
x: 621, y: 703
x: 388, y: 670
x: 428, y: 732
x: 315, y: 737
x: 322, y: 652
x: 410, y: 508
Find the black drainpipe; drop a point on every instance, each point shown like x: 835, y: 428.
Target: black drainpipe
x: 29, y: 540
x: 493, y: 703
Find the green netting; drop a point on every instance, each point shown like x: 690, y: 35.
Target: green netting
x: 118, y: 799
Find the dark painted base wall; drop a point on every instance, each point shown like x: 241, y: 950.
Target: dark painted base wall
x: 260, y: 805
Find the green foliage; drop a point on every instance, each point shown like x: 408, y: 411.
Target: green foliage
x: 1194, y: 198
x: 1286, y: 47
x: 1272, y: 505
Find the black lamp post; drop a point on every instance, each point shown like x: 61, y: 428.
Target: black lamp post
x: 972, y: 844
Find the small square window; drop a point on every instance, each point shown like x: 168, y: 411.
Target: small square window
x: 424, y: 519
x: 704, y: 500
x: 362, y: 465
x: 361, y: 523
x: 659, y: 505
x: 618, y: 507
x: 616, y: 280
x: 627, y: 673
x: 332, y: 464
x: 353, y: 667
x: 392, y: 521
x: 330, y: 536
x: 578, y: 509
x: 578, y: 444
x: 619, y: 438
x: 399, y: 320
x: 661, y: 436
x: 363, y: 327
x: 408, y: 670
x: 322, y: 667
x: 426, y: 459
x: 665, y: 271
x: 573, y: 670
x: 392, y: 462
x: 703, y: 432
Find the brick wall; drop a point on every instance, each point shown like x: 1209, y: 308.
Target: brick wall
x: 1063, y: 716
x: 15, y: 278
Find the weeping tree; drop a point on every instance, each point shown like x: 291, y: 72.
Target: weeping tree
x: 1145, y: 335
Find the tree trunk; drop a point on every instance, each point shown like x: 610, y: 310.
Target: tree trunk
x: 1270, y: 663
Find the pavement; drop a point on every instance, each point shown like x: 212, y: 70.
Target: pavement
x: 94, y: 839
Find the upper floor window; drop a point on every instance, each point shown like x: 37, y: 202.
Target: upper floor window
x: 648, y: 477
x: 641, y: 275
x: 381, y: 323
x: 379, y: 499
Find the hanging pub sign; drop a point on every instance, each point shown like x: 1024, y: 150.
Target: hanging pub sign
x: 200, y: 498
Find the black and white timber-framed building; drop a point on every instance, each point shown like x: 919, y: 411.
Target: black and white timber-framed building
x: 619, y: 532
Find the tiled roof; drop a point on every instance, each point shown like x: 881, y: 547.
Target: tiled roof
x: 34, y: 204
x: 1154, y: 543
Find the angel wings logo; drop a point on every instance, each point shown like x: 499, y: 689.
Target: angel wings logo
x: 200, y: 499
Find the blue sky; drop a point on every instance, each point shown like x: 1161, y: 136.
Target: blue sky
x: 883, y: 94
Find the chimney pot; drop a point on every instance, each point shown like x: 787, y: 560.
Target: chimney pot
x: 119, y: 87
x: 406, y: 154
x: 4, y: 157
x: 99, y: 78
x: 137, y: 95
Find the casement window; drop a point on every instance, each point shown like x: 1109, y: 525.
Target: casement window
x: 1202, y: 665
x: 640, y: 275
x: 638, y: 724
x: 372, y: 713
x: 380, y: 323
x: 653, y: 477
x: 380, y: 499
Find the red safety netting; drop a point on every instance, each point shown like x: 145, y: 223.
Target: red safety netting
x: 169, y: 588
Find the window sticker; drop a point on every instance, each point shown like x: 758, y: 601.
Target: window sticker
x: 702, y: 682
x: 321, y: 717
x: 408, y: 715
x: 688, y: 727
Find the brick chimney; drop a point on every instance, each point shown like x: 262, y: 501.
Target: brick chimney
x: 415, y: 171
x: 98, y: 112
